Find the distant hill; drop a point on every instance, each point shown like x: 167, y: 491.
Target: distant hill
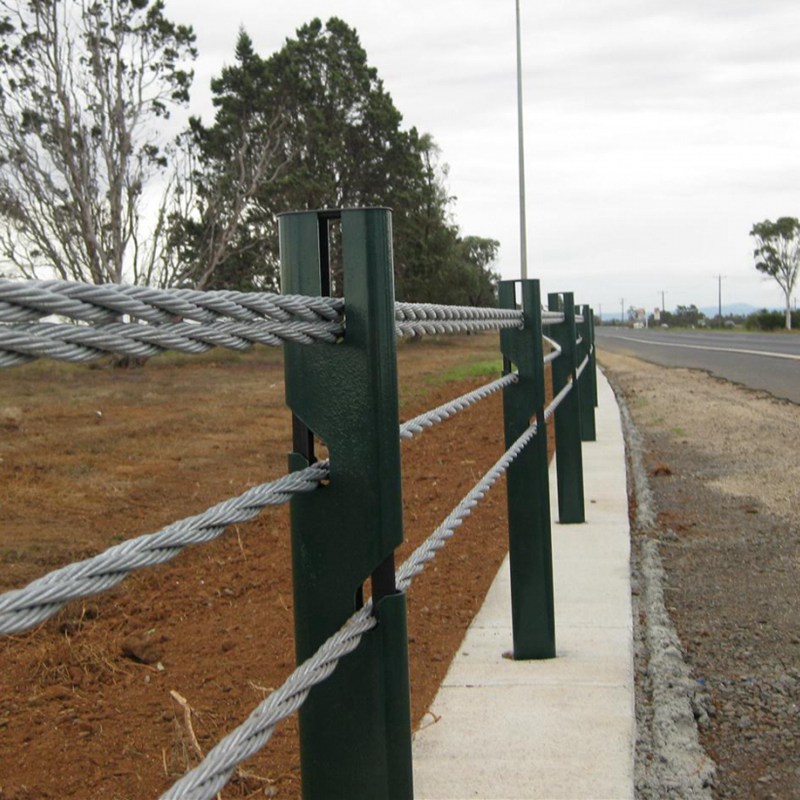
x: 736, y: 309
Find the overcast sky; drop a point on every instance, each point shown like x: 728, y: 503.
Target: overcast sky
x: 656, y: 131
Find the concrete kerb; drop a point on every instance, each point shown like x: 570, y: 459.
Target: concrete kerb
x: 670, y: 761
x: 563, y: 727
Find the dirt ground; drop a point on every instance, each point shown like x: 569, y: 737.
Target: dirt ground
x: 724, y: 471
x: 116, y: 696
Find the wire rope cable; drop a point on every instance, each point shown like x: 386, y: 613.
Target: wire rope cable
x: 552, y: 317
x: 208, y: 778
x: 418, y: 319
x: 21, y: 609
x: 430, y: 418
x: 25, y: 301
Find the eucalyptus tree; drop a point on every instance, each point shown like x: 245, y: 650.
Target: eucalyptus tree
x: 777, y: 254
x: 85, y: 89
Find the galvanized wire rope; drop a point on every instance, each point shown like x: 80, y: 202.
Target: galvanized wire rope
x: 417, y: 561
x: 21, y: 609
x: 82, y: 343
x: 213, y: 773
x: 446, y: 410
x: 26, y: 301
x: 416, y: 319
x: 552, y: 317
x: 191, y: 321
x: 555, y: 351
x: 50, y: 592
x: 439, y: 327
x: 210, y: 776
x: 185, y: 320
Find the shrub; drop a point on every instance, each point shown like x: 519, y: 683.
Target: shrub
x: 770, y: 320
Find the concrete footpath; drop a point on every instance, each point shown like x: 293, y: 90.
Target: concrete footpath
x: 558, y: 728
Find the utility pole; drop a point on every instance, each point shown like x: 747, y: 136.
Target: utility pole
x: 622, y: 310
x: 663, y: 309
x: 523, y: 236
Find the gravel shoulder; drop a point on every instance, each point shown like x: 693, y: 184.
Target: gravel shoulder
x: 723, y: 478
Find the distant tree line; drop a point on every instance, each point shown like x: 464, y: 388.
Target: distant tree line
x: 90, y: 189
x: 765, y: 320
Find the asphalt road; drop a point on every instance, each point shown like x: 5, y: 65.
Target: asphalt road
x: 770, y: 362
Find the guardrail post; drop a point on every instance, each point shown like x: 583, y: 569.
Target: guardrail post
x: 588, y: 431
x: 593, y: 355
x: 355, y: 729
x: 569, y: 457
x: 530, y: 550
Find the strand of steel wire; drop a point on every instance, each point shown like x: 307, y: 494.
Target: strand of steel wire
x: 427, y: 550
x: 211, y: 775
x: 552, y: 317
x: 419, y: 319
x: 83, y: 343
x: 555, y: 349
x: 446, y: 410
x: 24, y: 608
x: 26, y: 301
x: 192, y: 321
x: 21, y: 609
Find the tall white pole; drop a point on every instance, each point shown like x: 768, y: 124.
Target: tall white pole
x: 523, y: 237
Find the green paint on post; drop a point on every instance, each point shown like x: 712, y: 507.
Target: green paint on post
x: 355, y: 730
x: 593, y: 356
x: 585, y: 388
x: 530, y: 549
x: 569, y: 456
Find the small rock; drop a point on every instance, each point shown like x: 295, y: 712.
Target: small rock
x: 659, y: 470
x: 145, y: 651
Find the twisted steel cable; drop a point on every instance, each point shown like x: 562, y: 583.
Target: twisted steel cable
x: 185, y: 320
x: 417, y: 319
x: 446, y: 410
x: 552, y: 317
x: 447, y: 326
x: 21, y: 609
x: 431, y: 311
x: 211, y: 775
x: 24, y: 301
x: 82, y: 343
x: 427, y: 551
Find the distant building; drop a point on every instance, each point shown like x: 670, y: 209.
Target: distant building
x: 639, y: 318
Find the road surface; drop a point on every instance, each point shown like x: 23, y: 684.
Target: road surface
x: 769, y: 362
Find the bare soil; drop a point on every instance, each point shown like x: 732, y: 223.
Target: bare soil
x: 724, y: 471
x: 118, y: 695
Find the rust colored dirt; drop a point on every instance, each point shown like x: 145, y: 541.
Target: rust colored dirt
x: 118, y: 695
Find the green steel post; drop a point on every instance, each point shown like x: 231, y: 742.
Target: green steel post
x: 355, y: 731
x: 528, y: 486
x: 593, y: 355
x: 569, y: 457
x: 588, y: 431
